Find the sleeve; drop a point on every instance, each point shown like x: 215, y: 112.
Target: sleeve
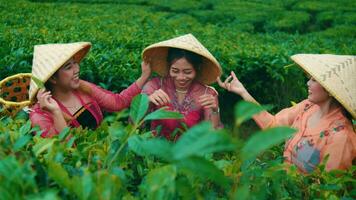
x: 151, y: 86
x: 285, y: 117
x: 44, y: 121
x: 208, y: 112
x: 110, y: 101
x: 340, y: 149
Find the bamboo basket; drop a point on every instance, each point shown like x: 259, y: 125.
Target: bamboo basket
x: 14, y: 93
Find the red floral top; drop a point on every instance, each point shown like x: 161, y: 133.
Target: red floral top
x: 95, y: 100
x: 190, y: 108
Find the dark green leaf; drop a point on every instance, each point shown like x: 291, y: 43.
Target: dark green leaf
x: 21, y: 142
x: 160, y: 183
x: 25, y: 128
x: 63, y: 134
x: 156, y: 147
x: 244, y: 111
x: 242, y: 193
x: 265, y: 139
x: 200, y: 140
x: 139, y: 107
x: 197, y: 166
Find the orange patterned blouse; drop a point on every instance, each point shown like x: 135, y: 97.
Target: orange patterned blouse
x: 333, y: 136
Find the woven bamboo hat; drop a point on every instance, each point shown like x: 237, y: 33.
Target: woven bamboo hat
x: 48, y: 58
x: 157, y: 54
x: 336, y: 73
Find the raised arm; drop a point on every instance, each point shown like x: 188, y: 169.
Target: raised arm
x: 112, y: 102
x: 263, y: 119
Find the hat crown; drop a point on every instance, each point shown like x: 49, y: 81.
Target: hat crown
x: 187, y: 42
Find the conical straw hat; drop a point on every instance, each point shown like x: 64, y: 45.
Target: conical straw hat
x: 336, y: 73
x: 48, y: 58
x: 157, y: 54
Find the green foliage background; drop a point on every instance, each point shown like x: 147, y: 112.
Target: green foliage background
x: 254, y: 38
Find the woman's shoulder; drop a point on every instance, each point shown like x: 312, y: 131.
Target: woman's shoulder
x: 338, y: 122
x: 302, y: 106
x: 204, y: 89
x: 306, y: 103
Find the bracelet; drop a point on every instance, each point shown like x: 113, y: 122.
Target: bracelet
x: 215, y: 112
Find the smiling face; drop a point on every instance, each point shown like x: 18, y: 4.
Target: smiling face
x: 316, y: 92
x: 67, y: 77
x: 183, y: 73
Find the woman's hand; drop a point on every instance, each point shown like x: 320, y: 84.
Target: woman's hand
x: 145, y: 74
x: 232, y: 84
x: 46, y: 101
x: 145, y: 69
x: 208, y: 101
x: 159, y: 98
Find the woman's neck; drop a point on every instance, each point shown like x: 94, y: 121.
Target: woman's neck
x: 62, y: 94
x: 327, y: 106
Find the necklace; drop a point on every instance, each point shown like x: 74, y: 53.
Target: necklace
x: 182, y: 91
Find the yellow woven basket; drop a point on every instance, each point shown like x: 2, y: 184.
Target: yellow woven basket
x: 14, y: 93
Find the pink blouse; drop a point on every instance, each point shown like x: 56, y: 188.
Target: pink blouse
x: 333, y: 136
x: 190, y: 108
x: 94, y: 99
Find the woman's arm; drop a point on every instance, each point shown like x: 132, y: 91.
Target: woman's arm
x: 232, y: 84
x: 49, y: 115
x: 263, y: 119
x: 112, y: 102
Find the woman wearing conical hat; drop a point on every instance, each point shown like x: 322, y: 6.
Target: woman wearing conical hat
x: 323, y: 120
x: 68, y: 100
x: 185, y: 67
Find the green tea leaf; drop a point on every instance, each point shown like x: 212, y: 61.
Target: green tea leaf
x: 244, y: 111
x: 156, y: 147
x: 21, y: 142
x: 71, y: 142
x: 63, y: 134
x: 25, y: 128
x: 43, y: 145
x: 200, y: 140
x: 197, y: 166
x: 265, y: 139
x: 38, y: 82
x: 162, y: 113
x: 160, y: 183
x: 242, y: 193
x: 139, y: 107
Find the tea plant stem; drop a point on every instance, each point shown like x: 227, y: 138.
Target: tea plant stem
x: 124, y: 143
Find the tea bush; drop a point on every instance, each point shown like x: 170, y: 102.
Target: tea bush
x: 121, y: 161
